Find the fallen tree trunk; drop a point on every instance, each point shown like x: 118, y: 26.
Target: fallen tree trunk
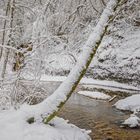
x: 49, y: 108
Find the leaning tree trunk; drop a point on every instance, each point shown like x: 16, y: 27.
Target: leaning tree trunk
x: 55, y: 102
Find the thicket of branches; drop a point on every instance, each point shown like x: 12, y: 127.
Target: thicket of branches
x: 49, y: 27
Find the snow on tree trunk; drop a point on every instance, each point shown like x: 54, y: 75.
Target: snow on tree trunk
x: 5, y: 51
x: 50, y: 107
x: 4, y: 27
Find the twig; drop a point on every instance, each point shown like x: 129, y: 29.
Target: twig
x: 112, y: 98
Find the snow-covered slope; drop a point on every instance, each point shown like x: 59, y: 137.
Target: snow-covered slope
x: 118, y: 57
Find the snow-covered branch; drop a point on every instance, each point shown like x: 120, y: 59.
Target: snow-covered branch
x: 4, y: 17
x: 9, y: 47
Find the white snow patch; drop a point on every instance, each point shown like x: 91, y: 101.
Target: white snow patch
x: 95, y: 95
x: 132, y: 121
x: 13, y: 126
x: 131, y: 103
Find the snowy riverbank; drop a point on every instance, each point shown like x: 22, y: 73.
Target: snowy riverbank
x: 13, y: 126
x: 131, y: 103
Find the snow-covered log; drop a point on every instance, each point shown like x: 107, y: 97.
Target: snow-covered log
x: 50, y: 106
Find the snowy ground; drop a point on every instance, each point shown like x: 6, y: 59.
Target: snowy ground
x: 13, y: 126
x: 131, y: 103
x: 95, y: 95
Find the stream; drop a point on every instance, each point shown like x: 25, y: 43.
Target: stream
x: 98, y: 116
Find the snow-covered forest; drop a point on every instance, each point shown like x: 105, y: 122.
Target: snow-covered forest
x: 72, y: 59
